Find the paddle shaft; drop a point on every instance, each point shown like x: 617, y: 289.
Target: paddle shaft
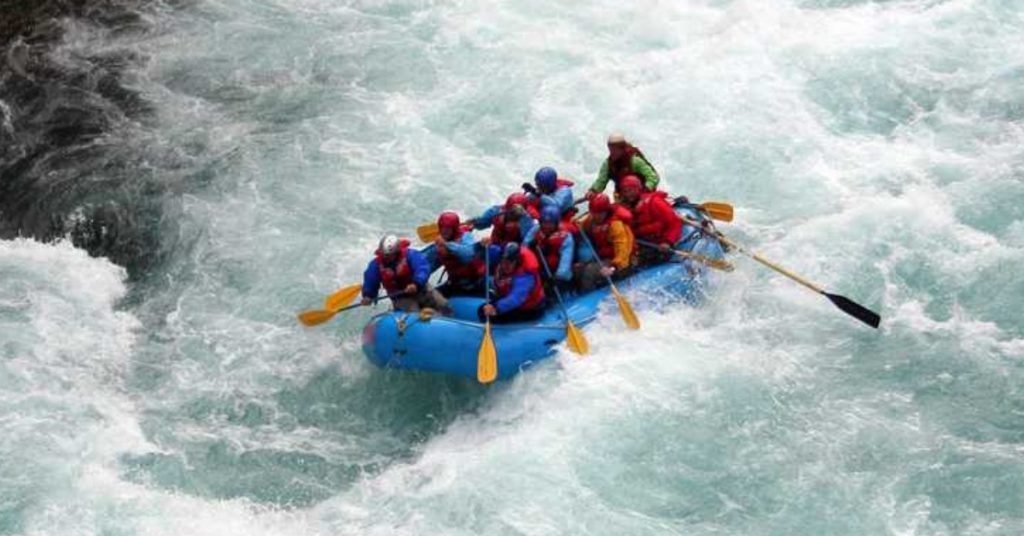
x: 714, y: 263
x: 583, y: 235
x: 554, y: 282
x: 725, y: 240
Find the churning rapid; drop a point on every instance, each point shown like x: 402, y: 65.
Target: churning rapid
x: 178, y: 179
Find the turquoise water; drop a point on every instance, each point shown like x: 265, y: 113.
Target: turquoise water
x: 876, y: 147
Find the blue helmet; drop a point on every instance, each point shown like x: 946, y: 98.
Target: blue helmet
x: 550, y: 214
x: 511, y: 252
x: 546, y: 179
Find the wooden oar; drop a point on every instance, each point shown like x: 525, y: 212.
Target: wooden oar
x: 333, y: 304
x: 625, y: 309
x: 487, y: 357
x: 844, y: 304
x: 718, y: 264
x: 577, y: 342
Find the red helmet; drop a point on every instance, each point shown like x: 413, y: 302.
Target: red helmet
x: 600, y: 203
x: 448, y: 220
x: 518, y: 198
x: 630, y: 182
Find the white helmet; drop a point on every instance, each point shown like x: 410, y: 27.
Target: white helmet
x: 616, y: 137
x: 388, y: 245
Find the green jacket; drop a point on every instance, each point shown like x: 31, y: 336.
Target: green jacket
x: 639, y: 165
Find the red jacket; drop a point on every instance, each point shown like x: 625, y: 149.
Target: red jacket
x: 655, y: 221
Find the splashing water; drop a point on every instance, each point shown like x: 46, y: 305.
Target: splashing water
x: 875, y: 147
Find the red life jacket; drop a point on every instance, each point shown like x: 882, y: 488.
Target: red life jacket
x: 458, y: 270
x: 395, y: 278
x: 617, y: 169
x: 527, y: 265
x: 505, y: 230
x: 600, y: 235
x: 654, y: 220
x: 551, y: 245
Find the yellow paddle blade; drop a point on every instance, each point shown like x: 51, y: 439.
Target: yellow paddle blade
x: 313, y: 318
x: 718, y: 210
x: 428, y: 232
x: 487, y: 358
x: 342, y: 297
x: 628, y: 316
x: 577, y: 342
x: 717, y: 264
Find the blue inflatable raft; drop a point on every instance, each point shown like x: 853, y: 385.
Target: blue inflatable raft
x: 450, y: 344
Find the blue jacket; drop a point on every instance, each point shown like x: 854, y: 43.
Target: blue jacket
x: 563, y: 272
x: 528, y: 225
x: 417, y: 263
x: 561, y: 198
x: 465, y: 249
x: 522, y: 286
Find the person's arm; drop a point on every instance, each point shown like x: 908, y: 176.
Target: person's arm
x: 371, y: 280
x: 653, y: 227
x: 430, y: 254
x: 562, y: 199
x: 646, y: 171
x: 464, y: 248
x: 486, y: 219
x: 672, y: 226
x: 564, y: 271
x: 529, y: 227
x: 602, y: 179
x: 420, y: 268
x: 622, y: 241
x: 522, y: 286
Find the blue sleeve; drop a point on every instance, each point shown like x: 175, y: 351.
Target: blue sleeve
x: 485, y: 220
x: 529, y: 227
x: 564, y: 271
x: 420, y: 267
x: 563, y: 196
x: 430, y: 254
x: 522, y: 285
x: 464, y: 249
x: 371, y: 280
x: 495, y: 252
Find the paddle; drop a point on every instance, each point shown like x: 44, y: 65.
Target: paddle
x: 333, y: 304
x: 718, y: 210
x: 844, y: 304
x: 625, y: 309
x: 313, y: 318
x: 718, y: 264
x: 487, y: 357
x: 577, y: 342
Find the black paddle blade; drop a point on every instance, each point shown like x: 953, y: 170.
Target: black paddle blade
x: 855, y: 309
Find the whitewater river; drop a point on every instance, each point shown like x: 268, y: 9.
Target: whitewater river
x: 165, y: 388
